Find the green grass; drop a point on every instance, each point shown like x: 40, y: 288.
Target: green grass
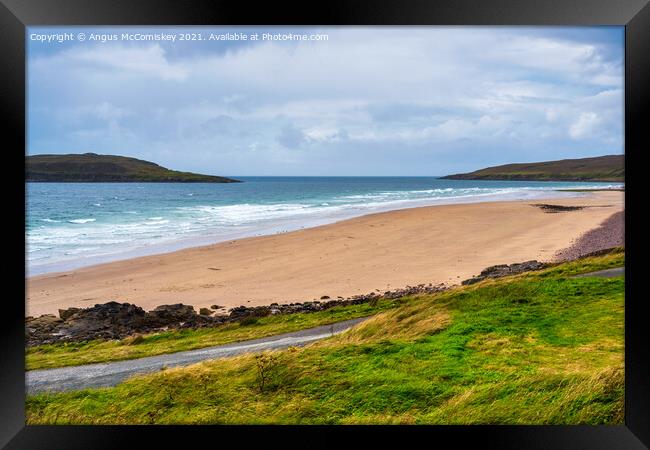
x: 539, y: 348
x: 76, y: 353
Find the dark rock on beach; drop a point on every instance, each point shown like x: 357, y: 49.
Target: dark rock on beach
x: 115, y: 320
x: 169, y: 314
x: 65, y: 313
x: 244, y: 311
x: 108, y: 321
x: 103, y: 321
x: 503, y: 270
x: 551, y: 209
x: 39, y: 329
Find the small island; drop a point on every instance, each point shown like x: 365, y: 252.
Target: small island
x: 600, y: 168
x: 94, y: 168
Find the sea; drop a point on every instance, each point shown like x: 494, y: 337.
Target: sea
x: 72, y: 225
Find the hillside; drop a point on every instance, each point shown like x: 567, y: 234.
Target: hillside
x: 601, y: 168
x: 537, y: 348
x: 90, y: 167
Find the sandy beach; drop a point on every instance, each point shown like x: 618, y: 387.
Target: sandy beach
x: 437, y: 244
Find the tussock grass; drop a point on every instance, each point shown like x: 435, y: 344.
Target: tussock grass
x: 537, y: 348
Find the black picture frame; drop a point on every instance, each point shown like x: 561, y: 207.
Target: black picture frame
x: 16, y: 15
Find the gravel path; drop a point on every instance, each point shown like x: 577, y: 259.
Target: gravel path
x: 112, y: 373
x: 606, y: 273
x: 611, y: 233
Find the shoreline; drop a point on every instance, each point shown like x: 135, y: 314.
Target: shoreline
x: 376, y: 251
x: 287, y: 225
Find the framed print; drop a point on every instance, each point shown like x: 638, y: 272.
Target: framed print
x: 398, y: 220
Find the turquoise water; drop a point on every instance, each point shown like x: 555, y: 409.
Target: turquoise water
x: 71, y: 225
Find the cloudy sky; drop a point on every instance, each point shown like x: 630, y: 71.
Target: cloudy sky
x: 366, y: 101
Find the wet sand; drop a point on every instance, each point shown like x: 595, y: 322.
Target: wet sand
x: 437, y: 244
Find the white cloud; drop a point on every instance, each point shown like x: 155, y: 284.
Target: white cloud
x: 409, y: 88
x: 585, y: 125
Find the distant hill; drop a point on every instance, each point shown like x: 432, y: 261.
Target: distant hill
x: 90, y: 167
x: 601, y: 168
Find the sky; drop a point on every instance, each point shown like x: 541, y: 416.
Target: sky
x: 420, y: 101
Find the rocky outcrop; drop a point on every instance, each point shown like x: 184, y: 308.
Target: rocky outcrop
x: 65, y: 313
x: 503, y: 270
x: 165, y: 315
x: 42, y: 329
x: 115, y: 320
x: 110, y: 320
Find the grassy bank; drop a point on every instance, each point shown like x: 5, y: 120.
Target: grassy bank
x: 76, y: 353
x: 539, y: 348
